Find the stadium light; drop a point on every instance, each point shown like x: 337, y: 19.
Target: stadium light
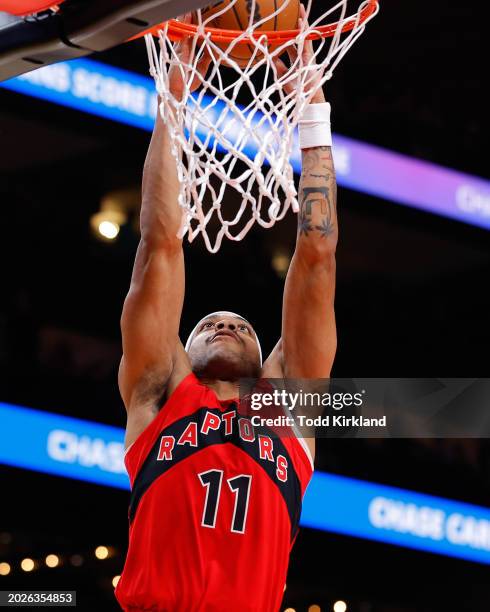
x: 4, y: 569
x: 101, y: 552
x: 27, y: 565
x: 106, y: 224
x: 52, y: 560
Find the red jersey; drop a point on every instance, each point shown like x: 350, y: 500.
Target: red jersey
x: 214, y: 509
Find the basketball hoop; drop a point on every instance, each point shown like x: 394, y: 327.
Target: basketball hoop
x: 220, y: 144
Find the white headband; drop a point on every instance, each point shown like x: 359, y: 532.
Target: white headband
x: 213, y: 314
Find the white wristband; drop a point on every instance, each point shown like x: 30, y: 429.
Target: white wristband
x: 314, y: 127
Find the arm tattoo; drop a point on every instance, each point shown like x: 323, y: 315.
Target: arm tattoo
x: 304, y: 225
x: 311, y: 159
x: 326, y: 228
x: 308, y: 191
x: 318, y: 194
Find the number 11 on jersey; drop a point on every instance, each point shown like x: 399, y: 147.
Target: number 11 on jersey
x: 239, y: 486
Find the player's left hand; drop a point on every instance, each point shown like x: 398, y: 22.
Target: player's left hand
x: 315, y: 74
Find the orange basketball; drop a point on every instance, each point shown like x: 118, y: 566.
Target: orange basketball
x: 238, y: 17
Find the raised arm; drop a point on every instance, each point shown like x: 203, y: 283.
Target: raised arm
x: 309, y: 338
x: 151, y: 315
x: 152, y: 309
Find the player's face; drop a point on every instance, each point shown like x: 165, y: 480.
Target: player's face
x: 225, y: 345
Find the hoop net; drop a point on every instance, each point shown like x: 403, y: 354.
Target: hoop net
x: 237, y: 130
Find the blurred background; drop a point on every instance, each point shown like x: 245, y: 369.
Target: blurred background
x: 412, y: 301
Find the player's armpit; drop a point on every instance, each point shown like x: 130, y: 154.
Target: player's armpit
x: 273, y: 365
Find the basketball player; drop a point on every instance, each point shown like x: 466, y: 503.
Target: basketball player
x: 214, y: 508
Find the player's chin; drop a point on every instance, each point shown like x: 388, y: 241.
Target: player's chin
x: 226, y: 349
x: 232, y: 357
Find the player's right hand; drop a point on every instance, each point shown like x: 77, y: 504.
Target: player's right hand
x: 179, y: 73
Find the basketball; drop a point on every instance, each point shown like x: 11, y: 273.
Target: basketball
x: 239, y: 17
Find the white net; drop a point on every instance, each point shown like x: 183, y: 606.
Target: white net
x: 237, y: 129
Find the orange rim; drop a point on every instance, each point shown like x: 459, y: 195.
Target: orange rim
x: 178, y: 30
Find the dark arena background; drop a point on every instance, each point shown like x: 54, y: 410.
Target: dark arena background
x: 412, y: 301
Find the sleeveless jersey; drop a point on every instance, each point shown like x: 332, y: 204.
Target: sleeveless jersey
x: 214, y: 509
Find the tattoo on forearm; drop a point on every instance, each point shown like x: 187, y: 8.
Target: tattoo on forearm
x: 308, y: 201
x: 326, y: 228
x: 318, y: 194
x: 311, y: 159
x: 304, y: 224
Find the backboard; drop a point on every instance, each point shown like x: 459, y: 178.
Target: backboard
x: 32, y: 35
